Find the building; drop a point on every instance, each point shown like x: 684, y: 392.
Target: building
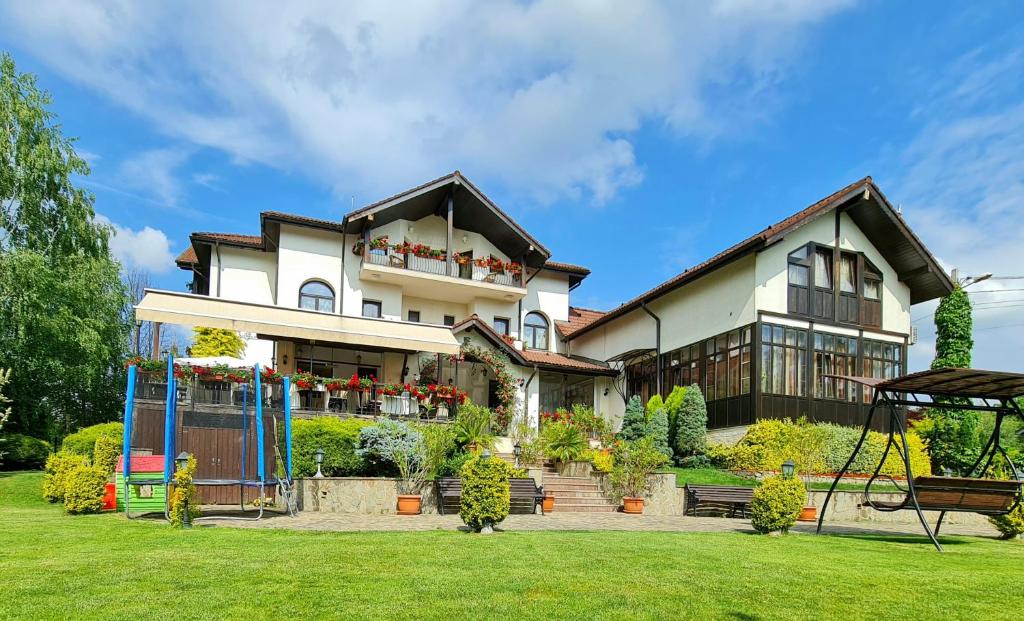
x: 396, y: 289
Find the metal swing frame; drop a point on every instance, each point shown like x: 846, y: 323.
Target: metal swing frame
x: 261, y: 481
x: 992, y: 392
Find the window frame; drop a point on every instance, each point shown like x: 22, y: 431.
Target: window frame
x: 316, y: 297
x: 409, y: 315
x: 374, y: 303
x: 448, y: 320
x: 507, y: 331
x: 530, y: 331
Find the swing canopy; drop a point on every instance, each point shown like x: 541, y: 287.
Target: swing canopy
x: 943, y: 389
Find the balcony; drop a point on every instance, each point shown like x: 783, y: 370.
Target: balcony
x: 431, y: 278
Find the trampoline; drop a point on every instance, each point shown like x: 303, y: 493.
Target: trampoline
x: 257, y: 478
x: 946, y: 389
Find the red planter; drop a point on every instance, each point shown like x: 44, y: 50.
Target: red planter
x: 549, y: 503
x: 633, y: 506
x: 409, y: 504
x: 808, y: 514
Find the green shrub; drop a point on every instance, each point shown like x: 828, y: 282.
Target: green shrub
x: 920, y: 463
x: 695, y: 461
x: 600, y: 460
x: 777, y: 503
x: 634, y: 421
x: 21, y: 452
x: 657, y: 428
x: 840, y: 444
x: 58, y: 470
x: 439, y: 446
x: 485, y: 491
x: 531, y: 448
x: 473, y: 426
x: 452, y: 466
x: 84, y: 487
x: 563, y: 442
x: 691, y: 421
x: 105, y: 453
x: 183, y: 493
x: 338, y: 439
x: 379, y: 442
x: 635, y: 462
x: 1010, y: 525
x: 83, y: 441
x: 590, y: 422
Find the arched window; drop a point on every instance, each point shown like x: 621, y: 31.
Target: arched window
x: 535, y: 331
x: 316, y: 295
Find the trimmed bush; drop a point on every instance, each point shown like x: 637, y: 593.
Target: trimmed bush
x: 658, y: 430
x: 691, y: 422
x: 21, y: 452
x: 695, y: 461
x: 1010, y: 525
x: 602, y: 462
x: 485, y: 492
x: 184, y: 493
x: 339, y: 440
x: 105, y: 453
x: 83, y: 441
x: 634, y: 421
x: 777, y: 503
x: 83, y: 489
x: 379, y: 441
x: 59, y: 467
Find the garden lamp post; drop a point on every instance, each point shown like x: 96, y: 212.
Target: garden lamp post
x: 788, y: 467
x: 319, y: 460
x: 182, y: 462
x: 517, y: 450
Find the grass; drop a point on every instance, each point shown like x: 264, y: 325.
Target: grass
x: 714, y: 476
x: 103, y: 566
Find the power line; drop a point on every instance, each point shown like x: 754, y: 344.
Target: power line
x: 1009, y: 325
x: 975, y: 308
x: 992, y: 291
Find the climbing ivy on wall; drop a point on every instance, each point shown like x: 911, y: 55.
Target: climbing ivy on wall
x: 953, y: 327
x: 498, y: 364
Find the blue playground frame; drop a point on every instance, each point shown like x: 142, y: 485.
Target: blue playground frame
x: 261, y: 480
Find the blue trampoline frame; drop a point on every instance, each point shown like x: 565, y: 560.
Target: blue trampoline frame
x: 170, y: 445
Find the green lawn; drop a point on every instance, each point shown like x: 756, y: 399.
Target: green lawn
x: 53, y: 566
x: 714, y: 476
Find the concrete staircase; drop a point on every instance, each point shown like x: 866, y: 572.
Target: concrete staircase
x: 576, y: 494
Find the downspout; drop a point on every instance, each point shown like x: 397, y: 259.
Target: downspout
x: 657, y: 342
x: 220, y: 269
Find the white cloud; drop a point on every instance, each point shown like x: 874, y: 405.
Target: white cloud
x: 542, y: 97
x: 152, y: 173
x: 146, y: 249
x: 962, y: 189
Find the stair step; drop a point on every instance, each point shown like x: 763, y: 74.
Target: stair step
x: 586, y: 509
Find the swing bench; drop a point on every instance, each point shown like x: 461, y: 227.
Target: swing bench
x: 944, y: 389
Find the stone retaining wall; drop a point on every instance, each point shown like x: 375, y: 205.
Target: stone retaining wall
x: 365, y: 495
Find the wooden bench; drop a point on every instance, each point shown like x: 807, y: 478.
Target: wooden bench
x: 984, y: 496
x: 525, y: 495
x: 734, y: 497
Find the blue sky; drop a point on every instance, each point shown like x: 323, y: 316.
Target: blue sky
x: 636, y: 139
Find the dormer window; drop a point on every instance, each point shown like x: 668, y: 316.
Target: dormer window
x: 535, y: 331
x: 318, y: 296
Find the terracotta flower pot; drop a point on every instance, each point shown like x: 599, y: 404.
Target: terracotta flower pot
x: 633, y: 505
x: 409, y: 504
x: 808, y: 514
x: 549, y: 503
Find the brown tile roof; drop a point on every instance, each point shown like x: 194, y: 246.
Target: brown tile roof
x: 302, y: 220
x: 579, y: 318
x: 234, y: 239
x: 187, y: 258
x: 755, y: 241
x: 529, y: 357
x: 566, y: 267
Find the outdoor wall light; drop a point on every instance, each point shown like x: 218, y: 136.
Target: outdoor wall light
x: 182, y: 460
x: 517, y: 450
x: 319, y: 460
x: 284, y: 359
x: 486, y: 454
x: 787, y: 468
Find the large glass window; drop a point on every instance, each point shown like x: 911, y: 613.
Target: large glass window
x: 848, y: 273
x: 834, y: 355
x: 823, y: 268
x: 316, y: 295
x: 535, y: 331
x: 372, y: 308
x: 501, y: 325
x: 727, y: 365
x: 783, y: 360
x: 883, y: 360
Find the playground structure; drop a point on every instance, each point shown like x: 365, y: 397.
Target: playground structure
x: 220, y: 435
x: 943, y: 389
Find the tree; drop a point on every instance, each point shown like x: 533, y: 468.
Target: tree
x: 5, y: 410
x: 62, y: 329
x: 634, y: 421
x: 674, y: 405
x: 210, y: 342
x: 657, y: 429
x: 691, y: 424
x: 953, y: 434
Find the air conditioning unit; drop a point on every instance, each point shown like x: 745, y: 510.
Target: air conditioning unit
x: 913, y: 336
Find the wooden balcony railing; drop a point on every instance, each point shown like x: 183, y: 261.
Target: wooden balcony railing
x: 439, y: 267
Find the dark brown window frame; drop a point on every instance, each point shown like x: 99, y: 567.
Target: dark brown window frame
x: 317, y: 298
x: 530, y: 342
x: 865, y: 271
x: 508, y: 326
x: 380, y: 309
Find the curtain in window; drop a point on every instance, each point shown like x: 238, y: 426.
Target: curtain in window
x: 823, y: 269
x: 848, y: 273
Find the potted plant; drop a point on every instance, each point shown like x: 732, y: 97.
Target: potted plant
x: 305, y: 380
x: 270, y: 376
x: 473, y: 427
x: 564, y: 443
x: 635, y: 462
x: 394, y: 442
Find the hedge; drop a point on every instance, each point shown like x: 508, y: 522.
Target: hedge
x: 59, y: 467
x: 486, y: 493
x: 83, y: 441
x: 84, y: 488
x: 338, y: 439
x: 777, y: 503
x: 21, y: 452
x: 816, y: 449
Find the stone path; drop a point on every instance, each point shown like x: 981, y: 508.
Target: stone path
x: 342, y: 522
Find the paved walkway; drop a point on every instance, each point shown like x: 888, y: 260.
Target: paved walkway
x: 347, y: 522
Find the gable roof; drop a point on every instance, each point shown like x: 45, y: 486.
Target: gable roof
x: 189, y: 258
x: 546, y: 360
x: 869, y: 209
x: 579, y: 318
x: 474, y: 211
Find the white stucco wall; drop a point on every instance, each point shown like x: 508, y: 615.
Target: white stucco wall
x: 244, y: 275
x: 304, y: 254
x: 772, y: 277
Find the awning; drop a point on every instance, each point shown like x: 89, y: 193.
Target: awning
x: 633, y: 353
x: 199, y: 310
